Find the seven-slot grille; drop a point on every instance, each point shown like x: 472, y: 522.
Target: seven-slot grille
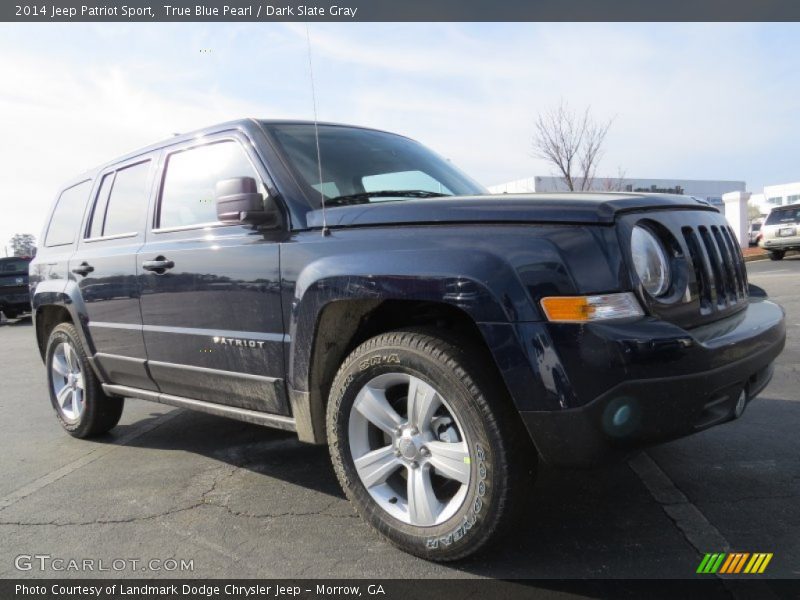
x: 718, y: 266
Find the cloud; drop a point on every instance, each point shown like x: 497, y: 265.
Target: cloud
x: 65, y: 119
x: 716, y: 101
x: 698, y: 101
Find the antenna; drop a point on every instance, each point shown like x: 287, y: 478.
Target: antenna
x: 316, y: 133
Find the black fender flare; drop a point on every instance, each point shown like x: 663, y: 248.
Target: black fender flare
x: 481, y: 284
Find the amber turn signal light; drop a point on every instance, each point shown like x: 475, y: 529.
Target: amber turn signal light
x: 585, y: 309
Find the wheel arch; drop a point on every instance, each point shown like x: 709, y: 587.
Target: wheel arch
x: 53, y: 305
x: 342, y: 325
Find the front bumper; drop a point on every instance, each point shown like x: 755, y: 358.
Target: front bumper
x: 17, y: 301
x: 635, y: 384
x: 780, y: 243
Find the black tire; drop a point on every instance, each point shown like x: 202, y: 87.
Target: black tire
x: 777, y: 254
x: 11, y: 314
x: 100, y: 412
x: 502, y: 457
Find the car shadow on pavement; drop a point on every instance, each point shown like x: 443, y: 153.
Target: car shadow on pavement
x: 602, y: 517
x: 261, y: 450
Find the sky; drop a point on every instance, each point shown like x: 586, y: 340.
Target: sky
x: 689, y: 101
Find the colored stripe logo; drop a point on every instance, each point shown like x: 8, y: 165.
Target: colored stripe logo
x: 734, y: 563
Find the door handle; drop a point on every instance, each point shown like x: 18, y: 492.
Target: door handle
x: 159, y: 265
x: 83, y: 269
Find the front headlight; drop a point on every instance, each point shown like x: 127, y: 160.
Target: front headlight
x: 650, y: 261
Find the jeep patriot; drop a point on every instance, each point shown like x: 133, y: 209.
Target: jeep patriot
x: 351, y: 286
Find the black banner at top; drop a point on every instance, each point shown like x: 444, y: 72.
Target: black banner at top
x: 398, y: 10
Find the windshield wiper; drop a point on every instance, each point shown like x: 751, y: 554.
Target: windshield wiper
x: 364, y: 197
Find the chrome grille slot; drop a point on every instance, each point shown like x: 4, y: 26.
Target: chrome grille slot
x: 715, y: 260
x: 738, y: 260
x: 702, y: 272
x: 718, y: 265
x: 727, y: 267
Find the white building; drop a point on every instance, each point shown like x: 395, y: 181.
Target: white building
x: 708, y: 190
x: 776, y: 195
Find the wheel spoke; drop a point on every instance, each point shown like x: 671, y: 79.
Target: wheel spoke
x: 69, y: 353
x: 423, y: 507
x: 60, y: 365
x: 376, y: 466
x: 450, y: 460
x: 77, y: 403
x: 372, y: 403
x: 64, y: 396
x: 79, y: 381
x: 422, y: 403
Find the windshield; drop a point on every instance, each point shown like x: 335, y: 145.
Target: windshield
x: 790, y: 214
x: 361, y: 165
x: 14, y: 266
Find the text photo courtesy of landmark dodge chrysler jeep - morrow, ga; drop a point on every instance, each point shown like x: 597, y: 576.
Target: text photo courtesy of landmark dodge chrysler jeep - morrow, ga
x: 440, y: 340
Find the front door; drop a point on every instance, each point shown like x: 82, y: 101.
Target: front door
x: 211, y: 306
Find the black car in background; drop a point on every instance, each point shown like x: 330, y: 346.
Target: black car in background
x: 15, y: 298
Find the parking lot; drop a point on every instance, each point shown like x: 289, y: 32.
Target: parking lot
x: 241, y: 501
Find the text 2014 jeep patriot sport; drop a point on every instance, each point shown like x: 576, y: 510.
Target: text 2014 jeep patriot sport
x: 440, y: 340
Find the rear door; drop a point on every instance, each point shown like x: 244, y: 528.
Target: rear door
x: 211, y: 305
x: 105, y: 268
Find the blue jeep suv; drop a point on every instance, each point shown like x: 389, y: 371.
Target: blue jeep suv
x: 351, y: 286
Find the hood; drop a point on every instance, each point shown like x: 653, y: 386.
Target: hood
x: 600, y: 208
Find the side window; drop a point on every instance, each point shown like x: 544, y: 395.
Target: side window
x: 66, y: 219
x: 187, y: 195
x: 100, y: 205
x: 127, y: 205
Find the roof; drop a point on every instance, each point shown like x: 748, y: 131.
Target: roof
x: 240, y: 124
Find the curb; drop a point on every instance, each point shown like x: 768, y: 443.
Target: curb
x: 755, y: 257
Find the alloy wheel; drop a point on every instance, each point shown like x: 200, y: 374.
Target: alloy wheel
x: 68, y: 382
x: 409, y: 450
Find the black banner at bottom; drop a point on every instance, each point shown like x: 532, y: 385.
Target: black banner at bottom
x: 390, y: 589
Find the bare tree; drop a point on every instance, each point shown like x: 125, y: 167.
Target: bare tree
x: 615, y: 184
x: 23, y: 244
x: 753, y: 212
x: 572, y: 142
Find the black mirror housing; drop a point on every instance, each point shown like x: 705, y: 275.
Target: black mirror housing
x: 239, y: 201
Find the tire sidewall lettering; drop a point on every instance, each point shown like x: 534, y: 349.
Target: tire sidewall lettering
x: 473, y: 514
x: 379, y: 359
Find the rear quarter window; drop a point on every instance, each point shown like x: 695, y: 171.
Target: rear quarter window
x: 66, y: 219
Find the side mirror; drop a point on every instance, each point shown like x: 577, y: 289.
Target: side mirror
x: 238, y: 201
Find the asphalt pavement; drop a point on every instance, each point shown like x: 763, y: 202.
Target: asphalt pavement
x: 236, y: 500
